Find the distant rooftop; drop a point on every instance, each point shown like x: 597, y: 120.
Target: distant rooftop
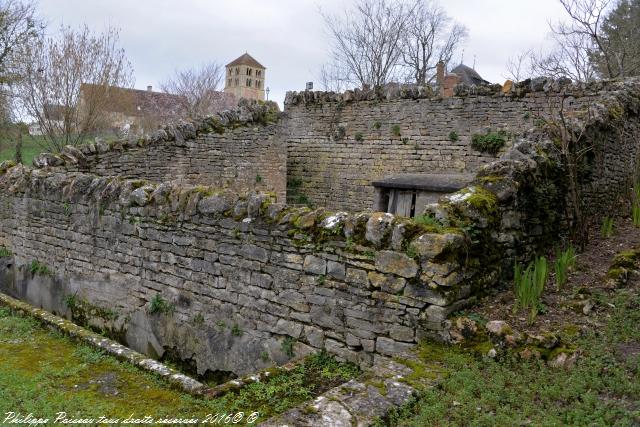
x: 468, y: 75
x: 246, y: 59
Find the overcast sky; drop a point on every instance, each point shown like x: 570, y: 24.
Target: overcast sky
x: 286, y: 36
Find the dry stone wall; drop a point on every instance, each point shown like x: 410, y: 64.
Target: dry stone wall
x: 241, y: 275
x: 339, y: 143
x: 229, y: 283
x: 239, y: 150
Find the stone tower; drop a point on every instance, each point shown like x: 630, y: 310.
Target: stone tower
x: 245, y: 78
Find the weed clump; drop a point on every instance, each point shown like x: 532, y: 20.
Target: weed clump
x: 160, y: 306
x: 528, y: 286
x: 490, y: 143
x: 565, y: 261
x: 607, y: 227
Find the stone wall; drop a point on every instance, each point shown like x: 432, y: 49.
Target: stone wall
x: 229, y: 283
x: 241, y: 275
x: 240, y: 150
x: 339, y: 143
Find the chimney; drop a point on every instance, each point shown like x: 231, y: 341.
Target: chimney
x: 440, y: 74
x: 149, y: 88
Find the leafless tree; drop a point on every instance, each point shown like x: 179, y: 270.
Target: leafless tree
x: 200, y: 89
x: 59, y: 67
x: 519, y: 66
x: 429, y: 36
x: 570, y: 57
x: 583, y: 30
x: 18, y: 26
x: 366, y: 41
x: 333, y: 78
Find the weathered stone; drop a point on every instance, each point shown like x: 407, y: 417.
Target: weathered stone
x: 314, y: 265
x: 216, y: 204
x: 396, y: 263
x: 498, y: 327
x: 390, y: 347
x: 386, y: 283
x: 430, y: 245
x: 378, y: 226
x: 336, y: 270
x: 356, y: 276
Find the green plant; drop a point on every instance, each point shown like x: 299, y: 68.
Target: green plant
x: 264, y: 356
x: 198, y: 319
x: 321, y: 279
x: 294, y: 183
x: 427, y: 220
x: 411, y: 252
x: 66, y: 208
x: 635, y: 214
x: 405, y: 140
x: 258, y: 179
x: 236, y: 331
x: 377, y: 125
x: 220, y: 324
x: 490, y: 143
x: 287, y: 346
x: 4, y: 252
x: 607, y: 227
x: 395, y: 130
x: 160, y: 305
x: 526, y: 115
x: 71, y: 301
x: 453, y: 136
x: 528, y: 286
x: 36, y: 267
x: 565, y: 261
x: 358, y: 136
x: 341, y: 132
x: 303, y: 199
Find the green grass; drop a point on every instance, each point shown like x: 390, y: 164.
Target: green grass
x: 602, y: 389
x: 31, y: 147
x: 4, y: 252
x: 43, y: 372
x: 528, y: 286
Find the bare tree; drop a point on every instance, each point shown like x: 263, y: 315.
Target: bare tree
x: 583, y: 30
x: 18, y: 26
x: 366, y: 41
x: 519, y: 66
x: 58, y: 68
x: 199, y: 89
x: 333, y: 78
x: 570, y: 57
x: 429, y: 36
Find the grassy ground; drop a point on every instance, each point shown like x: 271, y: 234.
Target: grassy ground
x: 31, y: 147
x: 602, y: 389
x: 43, y: 373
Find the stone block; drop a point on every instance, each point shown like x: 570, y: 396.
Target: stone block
x: 396, y: 263
x: 389, y: 347
x: 314, y: 265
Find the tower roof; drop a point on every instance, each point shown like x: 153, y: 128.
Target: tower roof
x: 246, y: 59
